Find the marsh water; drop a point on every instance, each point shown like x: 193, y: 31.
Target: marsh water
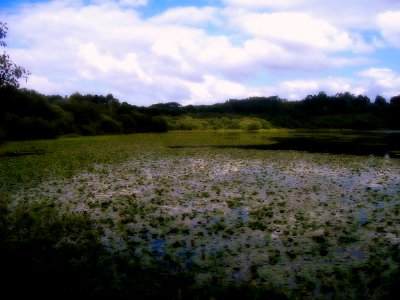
x: 378, y: 143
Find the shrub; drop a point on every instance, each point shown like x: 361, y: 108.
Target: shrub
x: 255, y: 125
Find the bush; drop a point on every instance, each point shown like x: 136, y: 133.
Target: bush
x: 26, y: 128
x: 253, y: 126
x: 109, y: 125
x: 159, y: 124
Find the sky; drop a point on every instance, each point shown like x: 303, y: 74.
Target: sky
x: 203, y: 52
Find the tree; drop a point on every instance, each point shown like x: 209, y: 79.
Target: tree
x: 10, y: 73
x: 379, y: 100
x: 395, y: 100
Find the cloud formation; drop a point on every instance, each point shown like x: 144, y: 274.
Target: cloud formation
x: 389, y: 23
x: 204, y: 54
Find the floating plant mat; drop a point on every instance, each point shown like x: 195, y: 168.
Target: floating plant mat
x: 306, y: 224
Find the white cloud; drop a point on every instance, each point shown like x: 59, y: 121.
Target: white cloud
x: 389, y: 23
x: 133, y: 3
x: 294, y: 30
x: 47, y: 86
x: 337, y: 8
x: 381, y: 81
x: 212, y: 90
x: 195, y: 55
x: 370, y: 82
x: 108, y: 47
x: 187, y: 16
x: 298, y: 89
x: 344, y: 14
x: 107, y: 63
x: 124, y: 3
x: 266, y: 4
x: 377, y: 73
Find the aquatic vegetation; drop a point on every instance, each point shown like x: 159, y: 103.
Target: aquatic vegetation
x: 295, y: 222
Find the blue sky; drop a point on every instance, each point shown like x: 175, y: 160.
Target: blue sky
x: 203, y: 52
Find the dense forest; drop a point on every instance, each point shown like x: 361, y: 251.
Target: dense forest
x: 27, y: 114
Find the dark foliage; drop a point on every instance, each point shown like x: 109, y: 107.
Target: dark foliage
x: 10, y: 73
x: 26, y: 114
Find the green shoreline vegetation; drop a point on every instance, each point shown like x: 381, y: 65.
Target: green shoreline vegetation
x: 26, y: 114
x: 199, y: 215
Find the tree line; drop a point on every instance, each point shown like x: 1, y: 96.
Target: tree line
x: 27, y: 114
x: 340, y: 111
x: 343, y: 110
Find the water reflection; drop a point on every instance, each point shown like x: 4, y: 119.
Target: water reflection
x: 384, y: 144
